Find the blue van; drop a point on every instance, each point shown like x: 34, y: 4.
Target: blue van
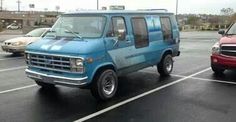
x: 91, y: 49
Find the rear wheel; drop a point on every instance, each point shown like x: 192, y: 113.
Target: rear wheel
x: 44, y: 85
x: 105, y: 85
x: 165, y: 67
x: 217, y: 70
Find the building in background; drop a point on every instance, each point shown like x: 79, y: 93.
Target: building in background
x: 28, y: 18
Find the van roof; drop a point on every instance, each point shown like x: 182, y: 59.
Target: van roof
x: 120, y: 12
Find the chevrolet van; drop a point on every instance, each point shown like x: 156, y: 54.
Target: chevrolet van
x: 91, y: 49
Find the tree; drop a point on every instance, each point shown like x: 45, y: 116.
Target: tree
x: 233, y: 18
x: 193, y: 20
x: 227, y: 11
x: 226, y: 15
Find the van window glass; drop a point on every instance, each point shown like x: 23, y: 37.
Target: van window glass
x: 84, y: 26
x: 140, y: 32
x: 117, y: 28
x: 166, y: 28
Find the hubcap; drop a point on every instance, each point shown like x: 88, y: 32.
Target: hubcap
x: 108, y: 85
x: 169, y: 64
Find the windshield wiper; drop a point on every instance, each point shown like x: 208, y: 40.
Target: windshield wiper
x: 74, y: 33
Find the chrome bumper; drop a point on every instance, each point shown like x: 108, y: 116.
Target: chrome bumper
x: 52, y: 79
x: 13, y: 49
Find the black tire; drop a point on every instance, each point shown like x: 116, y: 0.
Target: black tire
x: 217, y: 70
x: 16, y: 53
x: 45, y: 85
x: 165, y: 67
x: 105, y: 85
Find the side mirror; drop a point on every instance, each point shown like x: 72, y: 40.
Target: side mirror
x: 222, y: 32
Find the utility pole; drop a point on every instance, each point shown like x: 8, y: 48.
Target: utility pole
x: 18, y: 2
x: 97, y: 4
x: 1, y: 5
x: 176, y: 12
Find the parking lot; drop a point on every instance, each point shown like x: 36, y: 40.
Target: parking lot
x: 192, y: 93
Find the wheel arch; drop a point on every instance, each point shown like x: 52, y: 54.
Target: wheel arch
x: 102, y: 67
x: 167, y: 51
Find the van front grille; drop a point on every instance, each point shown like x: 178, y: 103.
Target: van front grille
x: 55, y: 63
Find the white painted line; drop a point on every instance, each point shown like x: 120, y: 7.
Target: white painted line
x: 16, y: 89
x: 10, y: 69
x: 212, y: 80
x: 3, y: 59
x: 4, y: 53
x: 181, y: 76
x: 137, y: 97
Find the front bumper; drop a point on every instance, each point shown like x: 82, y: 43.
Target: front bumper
x: 13, y: 49
x: 53, y: 79
x: 226, y: 62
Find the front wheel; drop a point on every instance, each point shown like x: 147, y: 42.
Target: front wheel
x: 105, y: 85
x: 165, y: 67
x: 217, y: 70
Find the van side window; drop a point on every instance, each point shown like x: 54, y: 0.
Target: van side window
x: 117, y: 28
x: 166, y: 28
x: 140, y: 32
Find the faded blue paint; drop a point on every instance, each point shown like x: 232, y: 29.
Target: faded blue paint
x: 123, y: 56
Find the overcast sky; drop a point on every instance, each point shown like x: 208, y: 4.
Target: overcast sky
x: 185, y: 6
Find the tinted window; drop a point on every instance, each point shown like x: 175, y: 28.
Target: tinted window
x: 166, y: 28
x: 140, y: 32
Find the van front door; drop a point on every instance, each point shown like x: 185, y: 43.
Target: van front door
x: 118, y: 42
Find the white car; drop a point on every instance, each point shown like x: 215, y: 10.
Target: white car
x: 18, y: 45
x: 13, y: 26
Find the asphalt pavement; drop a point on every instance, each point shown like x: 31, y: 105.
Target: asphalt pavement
x: 193, y: 93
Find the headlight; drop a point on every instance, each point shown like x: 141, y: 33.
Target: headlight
x: 77, y: 65
x: 27, y: 56
x: 19, y: 43
x: 216, y: 48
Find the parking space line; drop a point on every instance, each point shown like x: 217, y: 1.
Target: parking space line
x: 212, y: 80
x: 137, y: 97
x: 181, y: 76
x: 4, y: 53
x: 3, y: 59
x: 10, y: 69
x: 16, y: 89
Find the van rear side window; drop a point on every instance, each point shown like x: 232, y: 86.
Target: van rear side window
x: 140, y: 32
x: 166, y: 28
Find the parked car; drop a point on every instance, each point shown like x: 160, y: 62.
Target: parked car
x: 91, y: 49
x: 18, y: 45
x: 13, y: 26
x: 224, y: 52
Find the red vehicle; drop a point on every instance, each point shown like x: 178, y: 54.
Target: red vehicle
x: 224, y: 52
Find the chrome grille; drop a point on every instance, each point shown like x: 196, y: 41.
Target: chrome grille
x: 49, y: 62
x: 228, y: 49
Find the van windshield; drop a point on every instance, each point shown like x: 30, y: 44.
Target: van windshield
x: 78, y: 27
x: 232, y: 30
